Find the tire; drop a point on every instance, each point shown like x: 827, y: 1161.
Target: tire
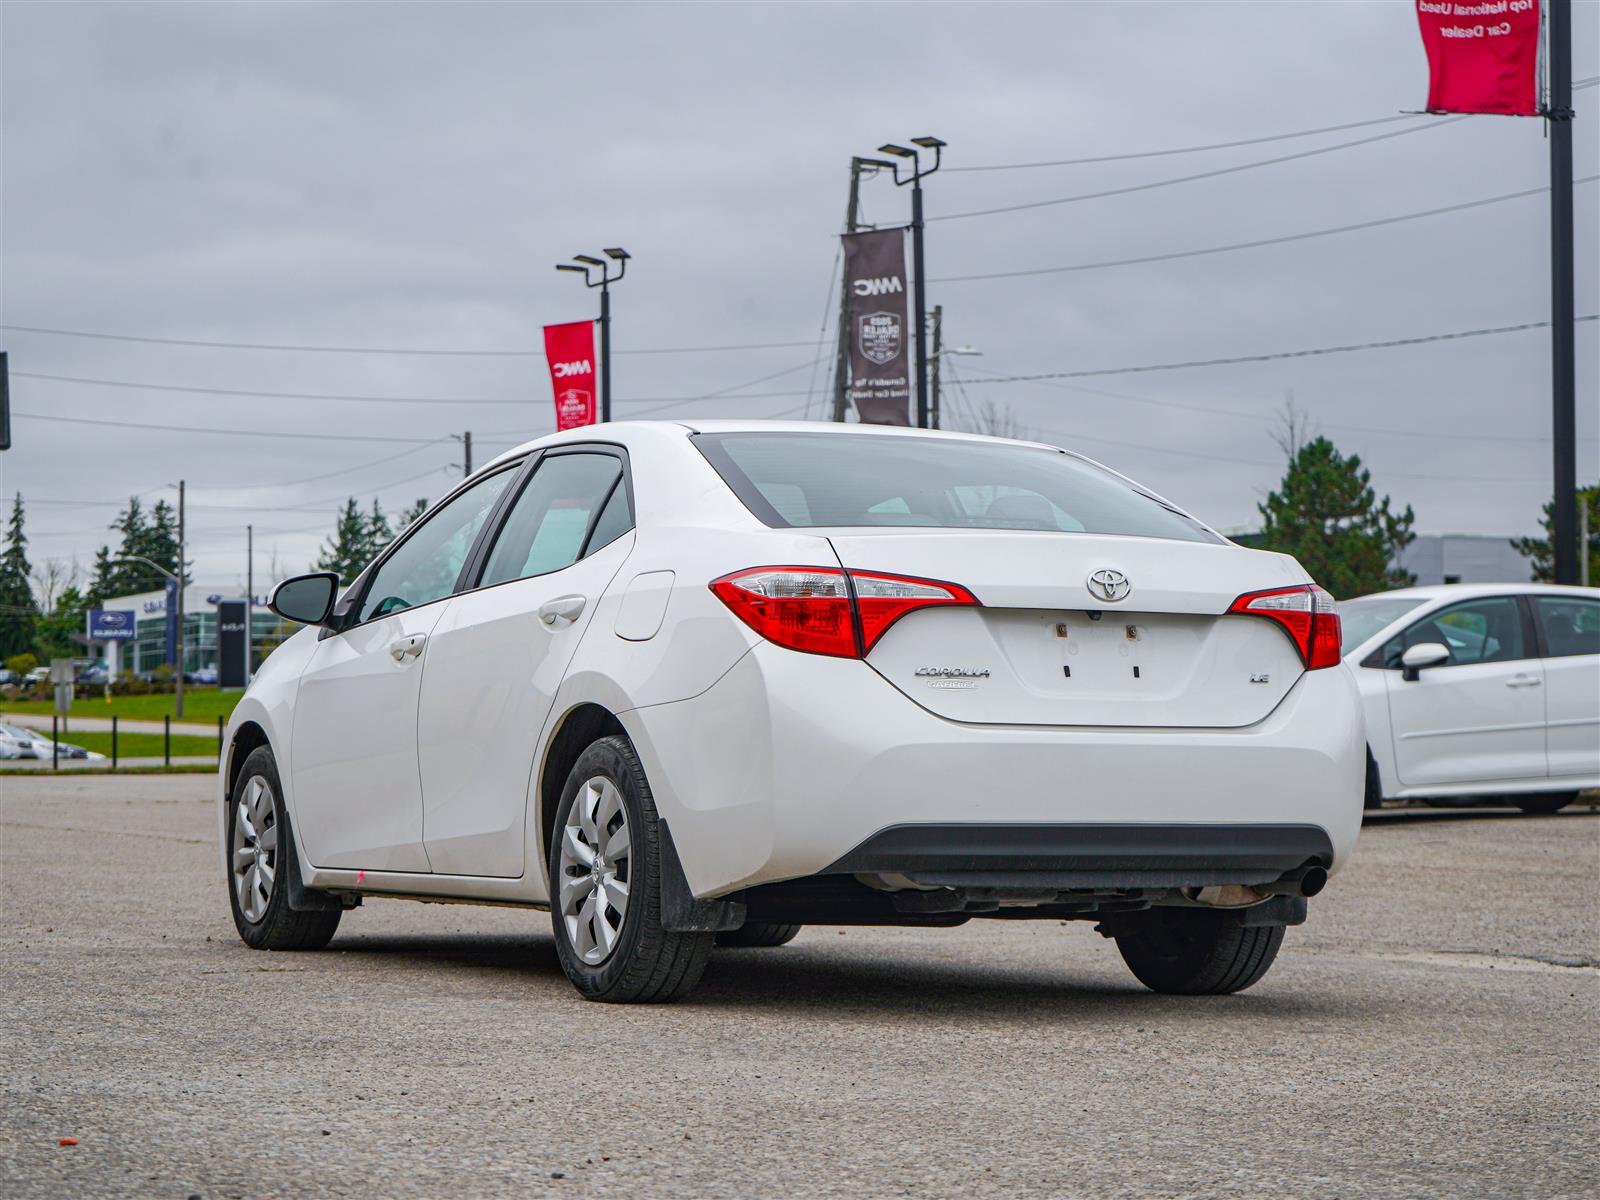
x: 1374, y: 794
x: 632, y: 960
x: 758, y: 933
x: 1196, y: 951
x: 259, y: 862
x: 1545, y: 803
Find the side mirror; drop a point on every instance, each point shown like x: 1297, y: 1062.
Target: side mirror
x: 1424, y: 654
x: 307, y: 599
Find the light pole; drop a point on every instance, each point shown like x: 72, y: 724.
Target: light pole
x: 940, y: 352
x: 915, y: 179
x: 1563, y: 513
x: 177, y: 582
x: 586, y: 264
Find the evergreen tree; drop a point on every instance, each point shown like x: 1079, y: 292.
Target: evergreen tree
x: 18, y: 612
x: 379, y: 534
x: 349, y: 549
x: 1328, y: 517
x: 1538, y: 549
x: 59, y: 631
x: 412, y: 513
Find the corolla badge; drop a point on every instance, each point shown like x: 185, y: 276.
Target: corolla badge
x: 953, y: 672
x: 1109, y: 585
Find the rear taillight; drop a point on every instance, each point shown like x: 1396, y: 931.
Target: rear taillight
x: 823, y: 610
x: 1306, y: 613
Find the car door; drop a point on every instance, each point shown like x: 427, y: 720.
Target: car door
x: 501, y: 649
x: 358, y: 799
x: 1569, y: 634
x: 1479, y: 716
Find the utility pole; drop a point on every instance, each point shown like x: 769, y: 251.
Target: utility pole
x: 182, y: 573
x: 466, y: 454
x: 249, y: 603
x: 1583, y: 539
x: 1563, y: 377
x: 938, y: 328
x: 841, y: 366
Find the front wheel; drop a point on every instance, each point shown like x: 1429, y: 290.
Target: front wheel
x: 260, y: 857
x: 605, y: 883
x: 1195, y: 951
x: 1545, y: 803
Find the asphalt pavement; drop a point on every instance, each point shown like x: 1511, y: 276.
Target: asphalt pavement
x: 1432, y: 1031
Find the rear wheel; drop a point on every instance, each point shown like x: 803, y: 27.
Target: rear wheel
x: 1545, y: 803
x: 605, y: 880
x: 758, y: 933
x: 260, y: 857
x: 1195, y: 951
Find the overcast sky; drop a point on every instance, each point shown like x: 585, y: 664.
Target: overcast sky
x: 405, y: 176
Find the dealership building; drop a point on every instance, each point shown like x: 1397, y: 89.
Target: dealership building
x: 150, y: 644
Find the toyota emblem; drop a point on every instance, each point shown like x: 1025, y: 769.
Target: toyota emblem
x: 1109, y: 585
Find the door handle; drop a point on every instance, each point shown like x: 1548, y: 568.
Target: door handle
x: 1520, y: 681
x: 407, y: 647
x: 562, y: 610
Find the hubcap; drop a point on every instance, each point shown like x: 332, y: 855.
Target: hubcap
x: 255, y: 849
x: 596, y: 865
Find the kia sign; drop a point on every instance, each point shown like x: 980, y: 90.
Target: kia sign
x: 569, y: 349
x: 111, y: 625
x: 880, y: 373
x: 1483, y: 55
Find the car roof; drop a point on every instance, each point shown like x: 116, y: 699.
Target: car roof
x: 630, y: 433
x: 1467, y: 591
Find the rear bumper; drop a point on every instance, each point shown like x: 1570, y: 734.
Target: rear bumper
x: 794, y: 765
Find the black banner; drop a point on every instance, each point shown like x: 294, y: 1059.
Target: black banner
x: 880, y: 335
x: 233, y: 669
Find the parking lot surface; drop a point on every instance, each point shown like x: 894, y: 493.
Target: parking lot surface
x: 1432, y: 1031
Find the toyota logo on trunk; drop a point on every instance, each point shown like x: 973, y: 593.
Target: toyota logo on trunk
x: 1109, y: 585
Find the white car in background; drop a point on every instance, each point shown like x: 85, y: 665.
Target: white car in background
x: 1474, y: 692
x: 686, y: 683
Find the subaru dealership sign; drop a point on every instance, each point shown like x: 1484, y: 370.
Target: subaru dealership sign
x: 111, y: 624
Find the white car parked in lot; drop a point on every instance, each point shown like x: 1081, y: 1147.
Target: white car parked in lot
x: 1479, y: 691
x: 710, y: 681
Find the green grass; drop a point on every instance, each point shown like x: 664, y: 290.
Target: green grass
x: 143, y: 745
x: 200, y: 705
x: 105, y: 769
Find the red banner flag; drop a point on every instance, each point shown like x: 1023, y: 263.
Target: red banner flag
x: 1483, y: 55
x: 569, y: 350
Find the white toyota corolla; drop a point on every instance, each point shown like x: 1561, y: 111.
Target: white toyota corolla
x: 706, y: 682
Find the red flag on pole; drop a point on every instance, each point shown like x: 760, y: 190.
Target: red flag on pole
x: 569, y: 351
x: 1483, y: 55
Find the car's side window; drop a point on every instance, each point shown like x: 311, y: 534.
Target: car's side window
x: 1570, y: 624
x: 549, y: 525
x: 425, y: 566
x: 1474, y: 631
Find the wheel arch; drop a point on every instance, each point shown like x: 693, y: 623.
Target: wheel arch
x: 580, y: 726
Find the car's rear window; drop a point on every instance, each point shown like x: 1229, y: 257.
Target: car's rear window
x: 843, y: 479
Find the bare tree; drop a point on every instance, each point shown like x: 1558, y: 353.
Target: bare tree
x: 52, y: 577
x: 1295, y: 427
x: 998, y: 421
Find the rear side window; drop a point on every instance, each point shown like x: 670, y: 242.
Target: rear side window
x: 1570, y: 624
x: 549, y: 523
x: 829, y: 479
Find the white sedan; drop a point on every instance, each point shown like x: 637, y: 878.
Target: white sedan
x: 1478, y: 692
x: 702, y: 683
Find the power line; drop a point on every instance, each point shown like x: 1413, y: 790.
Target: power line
x: 1255, y: 358
x: 285, y: 346
x: 1255, y: 141
x: 1212, y: 174
x: 265, y: 433
x: 1272, y: 241
x: 288, y: 483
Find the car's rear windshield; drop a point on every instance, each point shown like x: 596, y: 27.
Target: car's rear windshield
x: 1363, y: 618
x: 843, y: 479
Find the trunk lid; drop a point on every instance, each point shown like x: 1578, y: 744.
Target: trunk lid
x: 1043, y: 649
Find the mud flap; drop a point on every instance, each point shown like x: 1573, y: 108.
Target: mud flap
x: 680, y: 911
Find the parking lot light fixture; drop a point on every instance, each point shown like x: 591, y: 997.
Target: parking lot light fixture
x: 597, y: 273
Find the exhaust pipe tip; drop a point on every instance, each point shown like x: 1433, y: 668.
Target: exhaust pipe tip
x: 1313, y: 881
